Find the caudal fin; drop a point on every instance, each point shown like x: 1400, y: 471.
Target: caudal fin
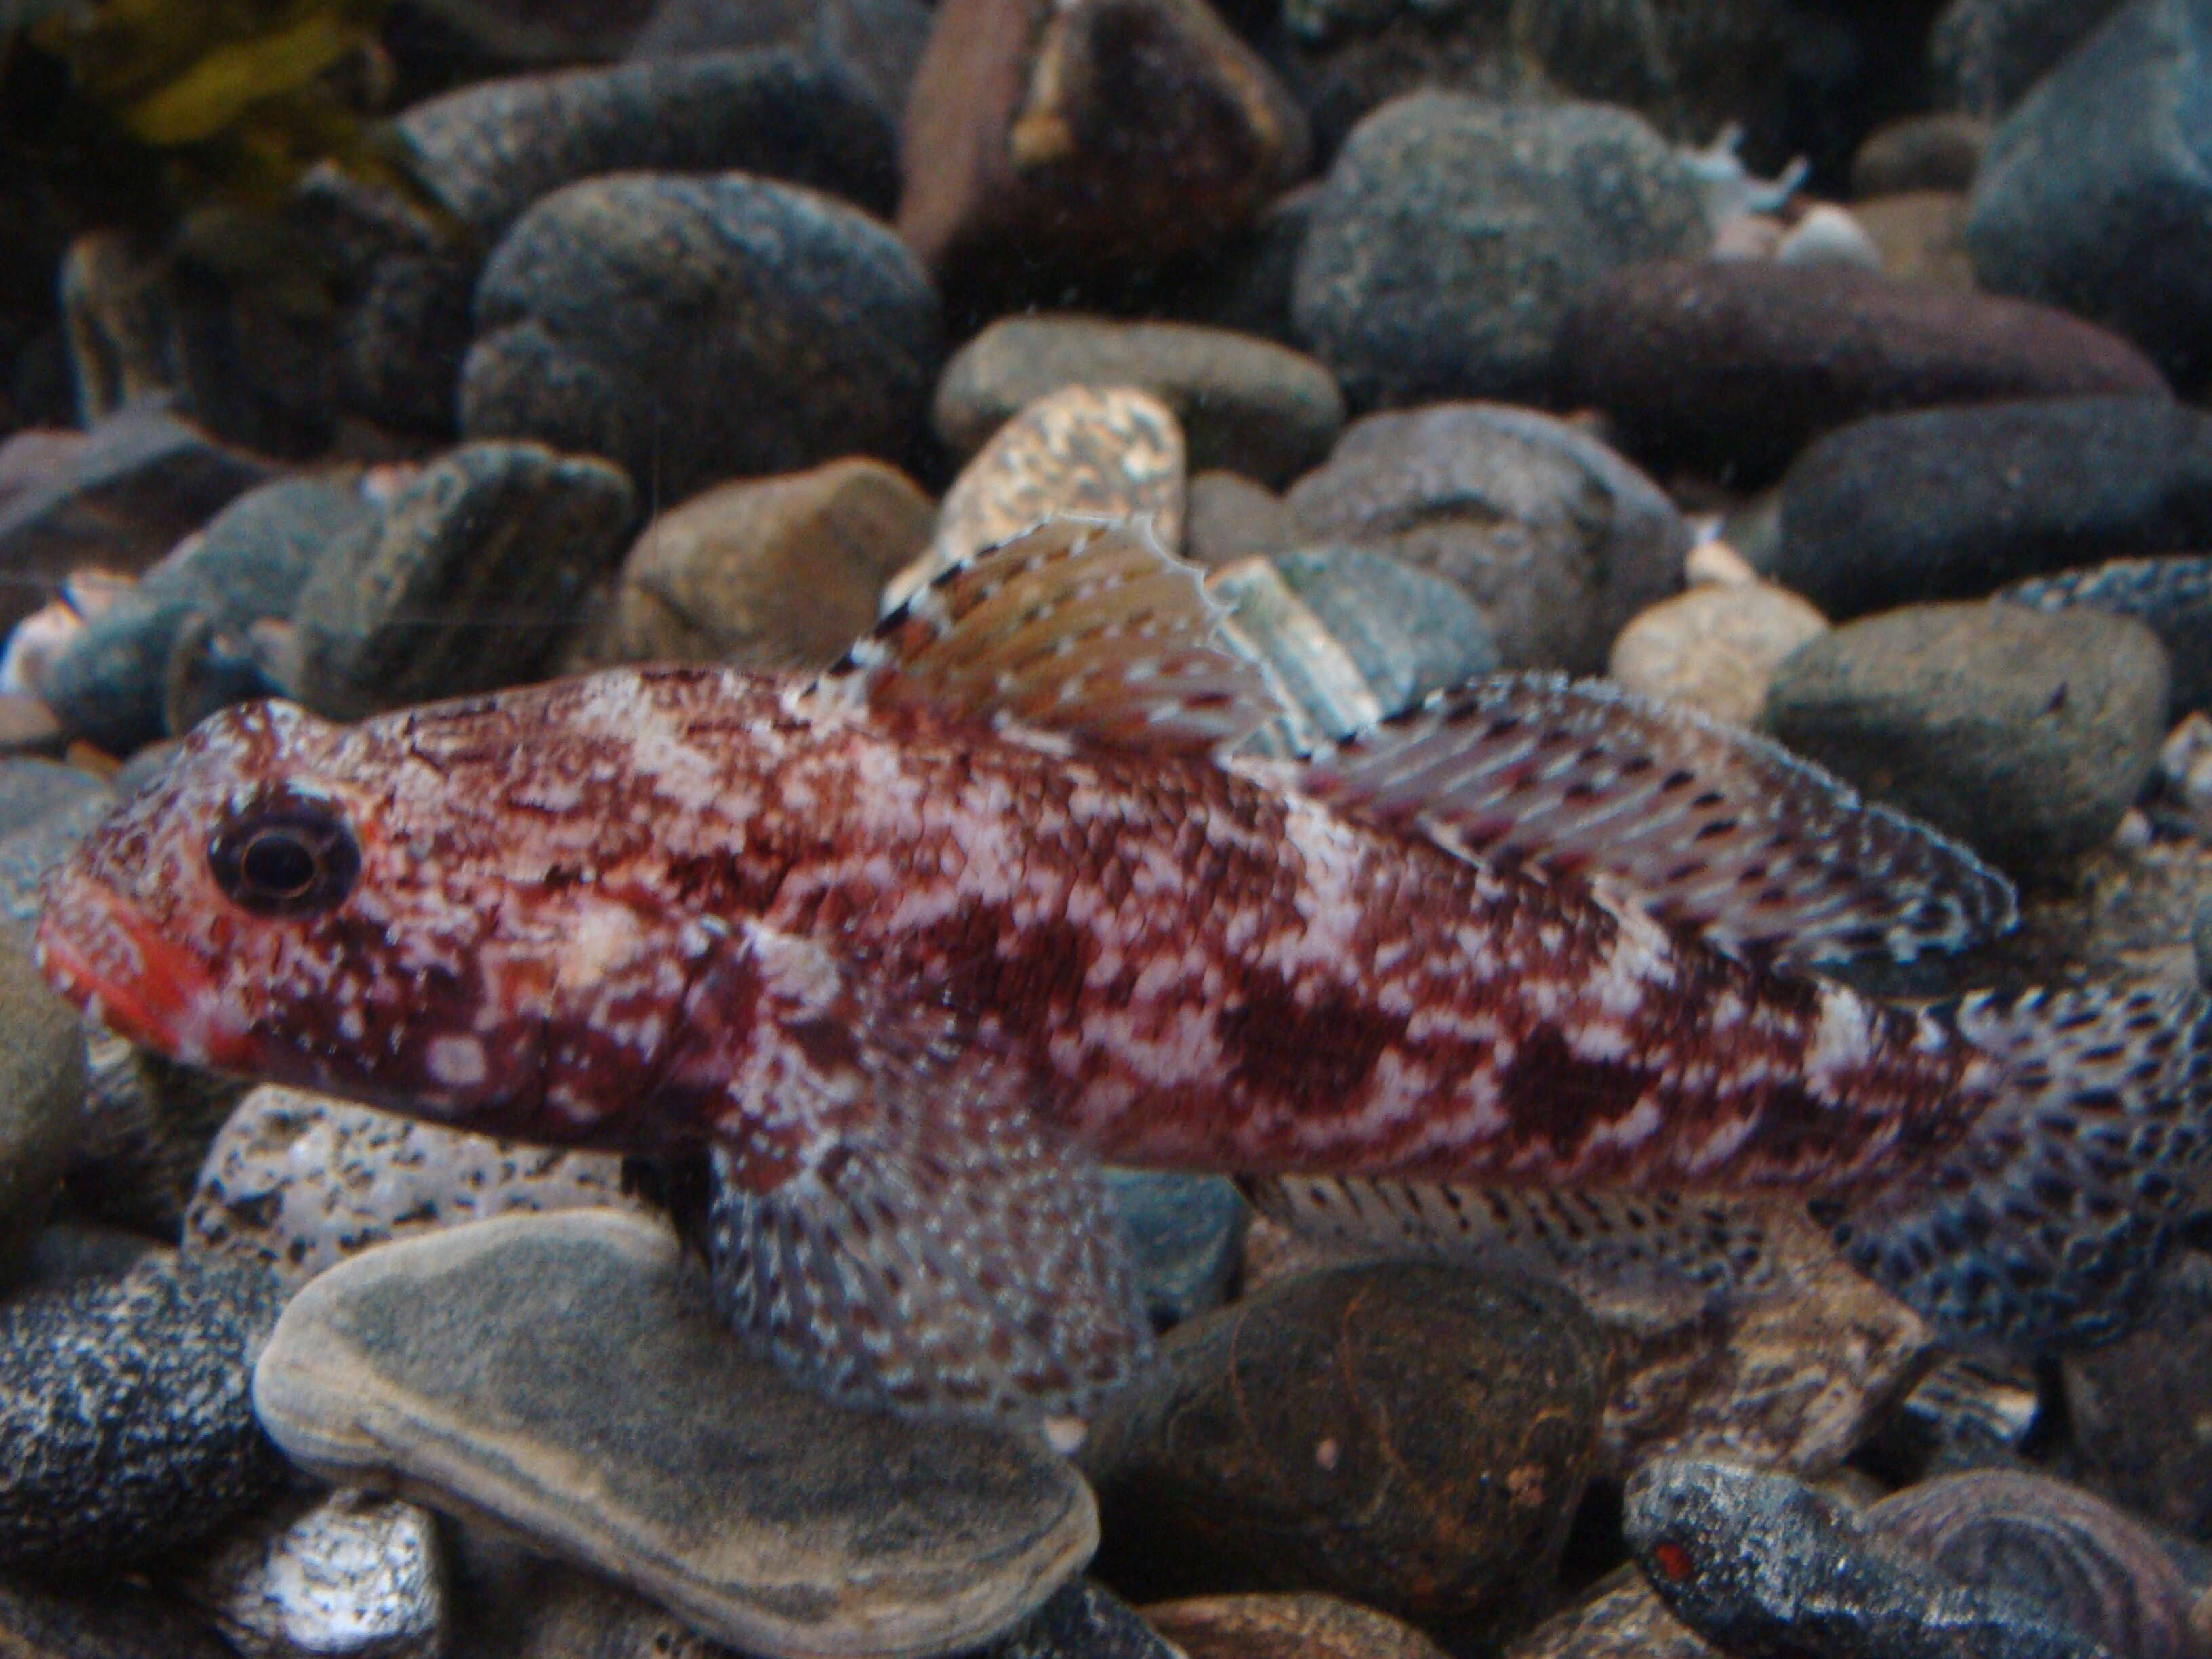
x: 2042, y: 1227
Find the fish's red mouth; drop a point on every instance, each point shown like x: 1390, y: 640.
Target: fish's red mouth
x: 104, y: 954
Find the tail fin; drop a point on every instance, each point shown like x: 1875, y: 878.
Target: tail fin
x: 2042, y: 1227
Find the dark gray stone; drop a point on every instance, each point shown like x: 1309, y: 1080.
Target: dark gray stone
x: 2025, y: 735
x: 1409, y: 630
x: 1920, y: 153
x: 881, y: 41
x: 2171, y: 597
x: 1990, y: 52
x: 1085, y: 1620
x: 2096, y: 194
x: 1948, y: 503
x: 1187, y: 1236
x: 1453, y: 233
x: 31, y: 790
x: 248, y: 563
x: 1557, y: 539
x: 109, y: 1621
x: 487, y: 151
x: 470, y: 580
x: 123, y: 1403
x: 695, y: 330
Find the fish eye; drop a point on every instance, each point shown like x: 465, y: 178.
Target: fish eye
x: 285, y: 858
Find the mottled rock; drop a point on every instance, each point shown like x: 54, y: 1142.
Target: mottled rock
x: 1244, y: 404
x: 143, y: 480
x: 250, y: 562
x: 1108, y: 453
x: 1325, y: 696
x: 2025, y: 735
x: 1735, y: 365
x: 124, y: 1404
x: 2141, y: 1428
x: 343, y: 1575
x: 1557, y: 539
x: 33, y: 790
x: 1231, y: 517
x: 1947, y: 503
x: 1715, y: 647
x: 1406, y: 1434
x: 42, y: 1082
x: 879, y: 40
x: 487, y: 151
x: 26, y: 855
x: 497, y: 1369
x: 1988, y: 54
x: 698, y: 329
x: 1453, y: 233
x: 1922, y: 237
x: 1186, y: 1234
x: 1408, y: 631
x: 297, y: 1183
x: 1285, y: 1627
x: 1936, y: 152
x: 1083, y: 1622
x: 468, y: 581
x: 2097, y: 190
x: 2083, y: 1563
x: 766, y: 572
x: 1619, y: 1620
x: 1041, y: 140
x: 112, y: 1620
x: 2171, y: 597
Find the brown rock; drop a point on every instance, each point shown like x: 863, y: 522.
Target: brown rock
x: 2142, y: 1421
x: 1246, y: 405
x: 1714, y: 648
x: 765, y: 573
x: 1231, y: 517
x: 1041, y: 138
x: 1622, y: 1619
x: 1738, y: 364
x: 1285, y: 1627
x: 1556, y: 538
x: 1938, y: 152
x: 1923, y: 237
x: 1404, y: 1434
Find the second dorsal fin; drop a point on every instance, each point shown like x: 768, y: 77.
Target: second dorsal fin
x: 1705, y: 826
x: 1079, y: 626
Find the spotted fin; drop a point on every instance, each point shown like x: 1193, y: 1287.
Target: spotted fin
x: 2044, y: 1225
x: 1598, y: 1243
x: 1706, y: 827
x: 888, y: 1220
x: 1079, y: 626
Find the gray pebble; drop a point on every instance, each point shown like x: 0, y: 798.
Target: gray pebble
x: 1186, y: 1235
x: 2173, y: 596
x: 42, y: 1079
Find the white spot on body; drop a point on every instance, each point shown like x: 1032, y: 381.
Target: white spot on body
x: 456, y: 1062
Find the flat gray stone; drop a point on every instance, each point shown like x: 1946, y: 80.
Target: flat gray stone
x: 560, y: 1375
x: 42, y: 1078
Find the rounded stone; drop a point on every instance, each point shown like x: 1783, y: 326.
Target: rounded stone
x: 1949, y: 503
x: 779, y: 572
x: 1290, y: 1626
x: 1403, y: 1434
x: 1987, y: 54
x: 123, y: 1401
x: 1232, y: 518
x: 1186, y: 1237
x: 1407, y: 631
x: 1922, y: 237
x: 1453, y: 233
x: 42, y: 1084
x: 562, y: 1376
x: 698, y: 329
x: 1557, y: 539
x: 2140, y: 1433
x: 101, y: 1619
x: 1714, y: 648
x: 2023, y: 734
x: 1245, y: 404
x: 2171, y: 597
x: 1732, y: 366
x: 1936, y: 152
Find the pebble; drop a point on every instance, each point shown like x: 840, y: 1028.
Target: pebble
x: 123, y: 1403
x: 1453, y: 233
x: 1761, y: 1564
x: 343, y: 1575
x: 1231, y: 517
x: 2025, y: 735
x: 1405, y: 1435
x: 1027, y: 158
x: 109, y: 1619
x: 1951, y: 503
x: 2141, y: 1429
x: 33, y: 790
x: 763, y: 573
x: 879, y: 40
x: 1408, y: 631
x: 1939, y: 151
x: 1734, y: 366
x: 1988, y: 54
x: 558, y: 1373
x: 1714, y: 648
x: 141, y: 481
x: 1245, y: 404
x: 486, y: 151
x: 1186, y: 1235
x: 1104, y: 452
x: 1084, y: 1620
x: 297, y: 1183
x: 147, y: 1125
x: 248, y: 563
x: 2086, y: 1564
x: 2171, y: 597
x: 468, y: 581
x: 2097, y: 190
x: 699, y: 329
x: 1922, y: 237
x: 1288, y: 1626
x: 1828, y: 235
x: 42, y: 1084
x: 1324, y: 698
x: 1618, y: 1620
x: 1556, y: 538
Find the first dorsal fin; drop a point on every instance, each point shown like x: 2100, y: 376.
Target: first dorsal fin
x: 1079, y: 626
x: 1705, y: 826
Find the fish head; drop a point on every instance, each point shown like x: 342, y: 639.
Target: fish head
x: 372, y: 911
